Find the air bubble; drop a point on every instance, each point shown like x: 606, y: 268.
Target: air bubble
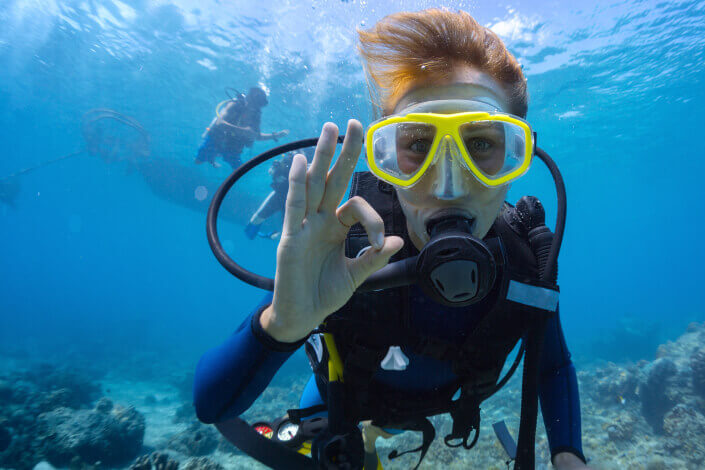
x: 201, y: 193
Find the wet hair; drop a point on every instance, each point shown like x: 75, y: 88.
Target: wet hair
x: 257, y: 96
x: 408, y: 48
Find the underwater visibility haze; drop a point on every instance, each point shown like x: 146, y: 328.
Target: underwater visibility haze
x: 109, y: 292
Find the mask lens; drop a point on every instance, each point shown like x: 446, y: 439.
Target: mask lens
x: 400, y: 149
x: 497, y: 148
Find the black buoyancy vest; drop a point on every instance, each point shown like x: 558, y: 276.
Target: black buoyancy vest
x: 370, y: 323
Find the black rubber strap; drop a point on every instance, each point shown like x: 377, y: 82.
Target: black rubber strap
x: 266, y: 451
x: 526, y: 443
x: 429, y: 434
x: 298, y: 414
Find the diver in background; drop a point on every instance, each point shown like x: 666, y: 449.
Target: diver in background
x: 275, y: 200
x: 119, y: 139
x: 235, y: 127
x: 114, y: 136
x: 107, y: 134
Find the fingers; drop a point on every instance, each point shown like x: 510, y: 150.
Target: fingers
x: 296, y: 197
x: 319, y: 167
x: 339, y: 176
x: 373, y: 260
x: 319, y: 188
x: 356, y: 210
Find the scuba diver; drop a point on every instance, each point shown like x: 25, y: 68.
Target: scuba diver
x: 274, y: 202
x: 236, y: 125
x: 410, y: 296
x: 107, y: 134
x: 114, y: 136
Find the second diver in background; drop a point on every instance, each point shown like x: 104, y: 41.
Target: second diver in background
x: 275, y: 200
x: 235, y: 126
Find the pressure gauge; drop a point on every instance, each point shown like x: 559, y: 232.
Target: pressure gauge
x: 287, y: 432
x: 264, y: 429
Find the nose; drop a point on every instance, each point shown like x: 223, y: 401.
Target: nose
x: 451, y: 176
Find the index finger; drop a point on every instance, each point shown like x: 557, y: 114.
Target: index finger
x: 339, y: 176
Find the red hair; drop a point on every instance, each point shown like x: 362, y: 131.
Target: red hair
x: 405, y: 49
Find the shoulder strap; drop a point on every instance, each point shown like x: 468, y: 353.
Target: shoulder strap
x: 383, y: 199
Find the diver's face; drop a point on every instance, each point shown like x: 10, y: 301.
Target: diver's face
x: 426, y: 198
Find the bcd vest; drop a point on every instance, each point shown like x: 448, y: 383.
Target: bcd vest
x: 370, y: 323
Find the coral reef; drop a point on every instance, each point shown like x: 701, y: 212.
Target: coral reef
x: 61, y: 398
x: 104, y: 405
x: 155, y: 461
x: 685, y: 428
x: 612, y: 384
x: 655, y: 401
x: 91, y: 436
x: 697, y: 364
x: 661, y: 417
x: 46, y: 413
x: 675, y: 377
x: 622, y: 429
x: 5, y: 437
x: 202, y: 463
x: 644, y: 415
x: 196, y: 440
x: 78, y: 389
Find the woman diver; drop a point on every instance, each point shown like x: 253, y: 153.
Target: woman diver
x: 451, y: 139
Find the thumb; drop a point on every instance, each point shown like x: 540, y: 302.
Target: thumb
x: 373, y: 260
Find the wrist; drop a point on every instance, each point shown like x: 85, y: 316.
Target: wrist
x: 279, y: 330
x: 267, y: 340
x: 567, y: 461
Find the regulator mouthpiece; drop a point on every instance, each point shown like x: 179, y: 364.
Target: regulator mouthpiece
x: 455, y: 268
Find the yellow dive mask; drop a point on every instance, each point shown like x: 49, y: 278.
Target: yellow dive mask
x: 493, y: 146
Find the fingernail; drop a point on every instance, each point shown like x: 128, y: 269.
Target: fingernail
x: 379, y: 242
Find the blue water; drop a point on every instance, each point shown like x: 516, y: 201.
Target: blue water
x: 94, y: 262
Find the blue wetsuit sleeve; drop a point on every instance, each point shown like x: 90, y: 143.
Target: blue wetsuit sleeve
x: 558, y: 391
x: 230, y: 377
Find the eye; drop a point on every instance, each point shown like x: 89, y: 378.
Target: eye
x: 420, y: 146
x: 479, y: 144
